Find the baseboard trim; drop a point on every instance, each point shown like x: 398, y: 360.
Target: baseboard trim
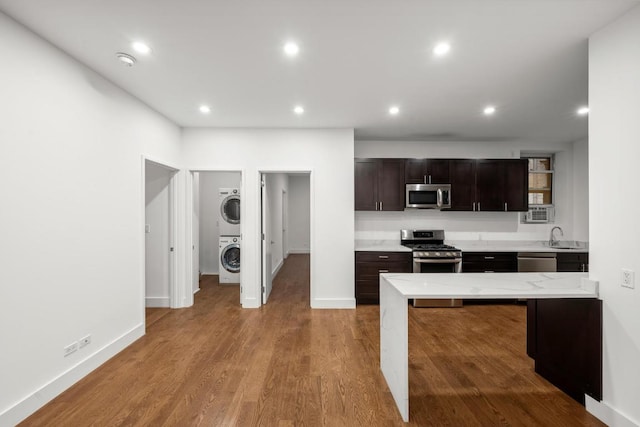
x: 299, y: 251
x: 333, y: 303
x: 209, y: 273
x: 196, y: 291
x: 275, y: 271
x: 251, y: 303
x: 608, y: 415
x: 36, y: 400
x: 157, y: 302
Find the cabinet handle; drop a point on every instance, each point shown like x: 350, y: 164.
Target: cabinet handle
x: 383, y: 256
x: 425, y: 178
x: 489, y: 257
x: 505, y: 206
x: 429, y: 179
x: 377, y: 206
x: 383, y: 271
x: 474, y: 207
x: 380, y: 205
x: 583, y: 269
x: 478, y: 206
x: 489, y: 271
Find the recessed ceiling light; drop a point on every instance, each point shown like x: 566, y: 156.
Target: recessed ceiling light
x: 394, y: 110
x: 141, y: 47
x: 205, y: 109
x: 489, y: 110
x: 298, y: 109
x: 126, y: 59
x: 441, y: 49
x: 583, y: 111
x: 291, y: 49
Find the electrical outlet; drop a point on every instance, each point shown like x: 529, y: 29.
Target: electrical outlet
x: 85, y: 341
x: 628, y: 279
x: 71, y: 348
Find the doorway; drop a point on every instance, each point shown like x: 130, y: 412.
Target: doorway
x: 160, y: 234
x: 285, y: 222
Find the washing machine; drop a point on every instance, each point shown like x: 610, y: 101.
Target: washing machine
x: 229, y: 259
x: 229, y: 222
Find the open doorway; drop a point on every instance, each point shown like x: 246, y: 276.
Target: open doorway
x: 285, y: 222
x: 216, y: 224
x: 160, y: 230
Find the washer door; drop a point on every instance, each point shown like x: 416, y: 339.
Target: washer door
x: 230, y: 258
x: 230, y: 209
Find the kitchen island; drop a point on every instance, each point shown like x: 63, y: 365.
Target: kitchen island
x: 397, y: 289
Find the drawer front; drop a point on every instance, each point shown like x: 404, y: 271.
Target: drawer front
x: 489, y: 267
x: 572, y: 257
x: 370, y: 269
x: 489, y: 256
x: 383, y: 256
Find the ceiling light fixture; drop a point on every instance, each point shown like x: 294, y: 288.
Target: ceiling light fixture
x: 291, y: 49
x: 298, y: 109
x: 441, y: 49
x: 205, y: 109
x: 141, y: 47
x: 126, y: 59
x: 489, y: 110
x: 583, y: 111
x: 394, y: 110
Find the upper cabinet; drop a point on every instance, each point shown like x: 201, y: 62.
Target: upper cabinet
x: 426, y: 171
x: 491, y: 185
x: 379, y: 184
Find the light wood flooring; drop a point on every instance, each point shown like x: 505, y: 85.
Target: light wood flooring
x: 284, y: 364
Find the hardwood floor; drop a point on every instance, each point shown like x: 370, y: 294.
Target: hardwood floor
x: 284, y: 364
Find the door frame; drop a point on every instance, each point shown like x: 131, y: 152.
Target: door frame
x: 259, y: 265
x: 174, y: 288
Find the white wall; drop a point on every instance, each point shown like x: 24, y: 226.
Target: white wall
x: 581, y: 190
x: 614, y: 150
x: 210, y: 184
x: 72, y: 217
x: 328, y: 154
x: 299, y: 212
x: 157, y: 243
x: 475, y: 225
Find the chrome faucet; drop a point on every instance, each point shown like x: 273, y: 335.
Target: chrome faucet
x: 552, y: 239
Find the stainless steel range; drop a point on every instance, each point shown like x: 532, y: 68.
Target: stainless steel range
x: 431, y: 255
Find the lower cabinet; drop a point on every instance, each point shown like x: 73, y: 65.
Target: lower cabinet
x: 573, y: 261
x: 489, y: 262
x: 369, y: 265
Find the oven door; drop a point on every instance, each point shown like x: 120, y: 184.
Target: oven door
x: 437, y: 265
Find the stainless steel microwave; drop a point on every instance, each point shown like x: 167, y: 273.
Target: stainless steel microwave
x: 428, y: 196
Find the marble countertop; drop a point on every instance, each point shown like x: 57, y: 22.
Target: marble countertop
x: 468, y: 246
x: 492, y: 285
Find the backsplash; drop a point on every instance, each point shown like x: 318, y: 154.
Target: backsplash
x: 457, y: 225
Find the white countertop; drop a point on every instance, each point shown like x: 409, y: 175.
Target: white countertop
x: 468, y: 246
x: 492, y: 285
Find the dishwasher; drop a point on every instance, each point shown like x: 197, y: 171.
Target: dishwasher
x: 533, y: 262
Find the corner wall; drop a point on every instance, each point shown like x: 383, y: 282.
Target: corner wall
x: 614, y: 150
x: 72, y: 217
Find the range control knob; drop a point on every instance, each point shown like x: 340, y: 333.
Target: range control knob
x: 437, y: 253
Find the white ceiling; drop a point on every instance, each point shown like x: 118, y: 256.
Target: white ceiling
x: 358, y: 57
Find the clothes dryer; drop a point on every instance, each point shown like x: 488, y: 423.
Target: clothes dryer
x: 229, y: 222
x: 229, y: 259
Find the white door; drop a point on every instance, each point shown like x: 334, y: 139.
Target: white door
x: 266, y: 242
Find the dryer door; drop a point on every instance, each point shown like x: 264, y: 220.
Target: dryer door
x: 230, y: 258
x: 230, y: 209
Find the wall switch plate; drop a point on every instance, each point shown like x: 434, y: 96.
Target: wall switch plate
x: 71, y: 348
x: 628, y: 278
x: 84, y: 341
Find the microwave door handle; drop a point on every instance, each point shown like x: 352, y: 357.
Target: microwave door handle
x: 437, y: 261
x: 439, y: 202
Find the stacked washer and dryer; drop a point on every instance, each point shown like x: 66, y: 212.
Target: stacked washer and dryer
x: 229, y: 224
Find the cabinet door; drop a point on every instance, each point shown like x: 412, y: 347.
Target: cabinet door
x: 516, y: 185
x: 489, y: 185
x: 438, y: 171
x: 415, y: 171
x: 462, y: 173
x: 366, y: 184
x: 572, y: 261
x: 391, y: 185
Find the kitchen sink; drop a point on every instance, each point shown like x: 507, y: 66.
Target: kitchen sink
x: 567, y: 244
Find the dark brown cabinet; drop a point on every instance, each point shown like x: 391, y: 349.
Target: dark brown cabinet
x: 379, y: 184
x: 573, y: 261
x: 496, y: 185
x: 489, y: 262
x: 426, y: 171
x: 369, y: 265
